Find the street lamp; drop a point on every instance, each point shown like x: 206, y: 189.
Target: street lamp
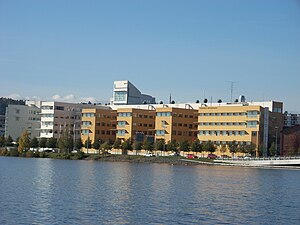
x: 276, y: 131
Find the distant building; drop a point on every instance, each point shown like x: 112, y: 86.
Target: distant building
x: 57, y: 117
x: 125, y: 93
x: 242, y: 124
x: 176, y: 124
x: 19, y: 118
x: 132, y: 123
x: 98, y: 124
x: 291, y: 119
x: 291, y: 141
x: 2, y: 125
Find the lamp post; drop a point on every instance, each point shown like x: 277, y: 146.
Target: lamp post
x: 276, y: 131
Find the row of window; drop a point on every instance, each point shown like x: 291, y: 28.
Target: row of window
x: 249, y: 123
x: 225, y: 133
x: 248, y: 113
x: 222, y: 133
x: 174, y: 132
x: 159, y: 114
x: 228, y: 142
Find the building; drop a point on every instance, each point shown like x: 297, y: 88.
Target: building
x: 133, y: 123
x: 240, y: 123
x: 125, y: 93
x: 57, y: 117
x: 2, y: 125
x: 176, y: 124
x: 19, y: 118
x: 290, y: 144
x: 98, y: 125
x: 291, y: 119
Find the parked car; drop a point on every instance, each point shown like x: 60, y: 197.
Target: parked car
x: 150, y: 155
x: 224, y: 157
x: 211, y: 156
x: 174, y: 154
x: 191, y: 156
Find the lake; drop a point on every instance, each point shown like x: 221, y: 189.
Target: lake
x: 49, y: 191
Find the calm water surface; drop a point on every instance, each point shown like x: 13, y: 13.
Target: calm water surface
x: 46, y: 191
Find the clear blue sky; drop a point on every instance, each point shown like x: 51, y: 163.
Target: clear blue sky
x: 66, y: 48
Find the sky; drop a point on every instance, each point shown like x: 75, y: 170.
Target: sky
x: 73, y: 50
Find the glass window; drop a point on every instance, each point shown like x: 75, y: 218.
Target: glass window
x: 121, y: 123
x: 120, y: 95
x: 160, y: 132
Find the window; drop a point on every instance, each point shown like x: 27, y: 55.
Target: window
x: 86, y: 123
x: 85, y: 131
x: 59, y: 107
x: 121, y: 123
x: 163, y: 114
x: 124, y: 114
x: 88, y: 114
x: 160, y: 132
x: 254, y: 133
x: 120, y: 95
x: 251, y: 123
x: 252, y: 113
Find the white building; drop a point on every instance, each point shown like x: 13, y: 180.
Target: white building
x: 125, y: 93
x: 57, y: 117
x: 19, y: 118
x: 291, y: 119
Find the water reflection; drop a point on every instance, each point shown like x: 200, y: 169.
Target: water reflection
x: 43, y: 191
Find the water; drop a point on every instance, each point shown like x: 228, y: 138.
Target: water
x: 45, y: 191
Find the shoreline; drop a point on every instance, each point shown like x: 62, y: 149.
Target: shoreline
x: 171, y: 160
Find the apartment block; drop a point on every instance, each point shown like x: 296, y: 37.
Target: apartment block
x: 98, y: 124
x: 134, y: 121
x: 57, y: 117
x: 291, y: 119
x: 176, y: 124
x: 19, y: 118
x: 243, y: 124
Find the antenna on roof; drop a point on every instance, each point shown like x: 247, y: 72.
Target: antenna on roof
x: 170, y: 101
x: 231, y: 89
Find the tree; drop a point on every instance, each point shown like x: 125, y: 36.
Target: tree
x: 272, y: 149
x: 51, y: 143
x: 34, y: 143
x: 2, y: 141
x: 43, y: 142
x: 172, y: 146
x: 117, y: 143
x: 209, y: 147
x: 147, y: 145
x: 160, y: 144
x: 233, y: 147
x: 88, y: 143
x: 137, y: 146
x: 196, y: 146
x: 126, y: 145
x: 184, y: 146
x: 248, y: 148
x: 96, y: 144
x: 223, y: 148
x: 105, y: 147
x: 24, y: 141
x: 65, y: 142
x: 78, y: 144
x: 8, y: 141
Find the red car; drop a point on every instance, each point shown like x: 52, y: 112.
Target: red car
x: 211, y: 156
x: 191, y: 156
